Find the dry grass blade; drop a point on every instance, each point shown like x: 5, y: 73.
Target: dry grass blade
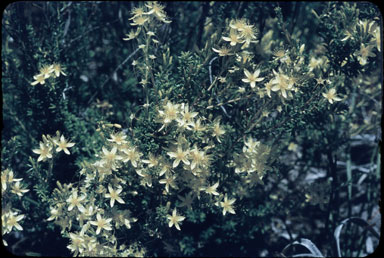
x: 315, y: 252
x: 357, y: 221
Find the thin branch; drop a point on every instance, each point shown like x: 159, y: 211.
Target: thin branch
x: 211, y: 80
x: 109, y: 77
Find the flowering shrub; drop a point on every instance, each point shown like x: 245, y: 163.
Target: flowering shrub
x: 194, y: 141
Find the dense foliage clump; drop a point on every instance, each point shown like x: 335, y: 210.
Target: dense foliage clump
x: 191, y: 128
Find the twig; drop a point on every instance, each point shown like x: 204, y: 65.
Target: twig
x: 67, y: 23
x: 211, y: 81
x: 109, y: 77
x: 65, y: 89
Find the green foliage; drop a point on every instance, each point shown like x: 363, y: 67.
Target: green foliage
x: 180, y: 128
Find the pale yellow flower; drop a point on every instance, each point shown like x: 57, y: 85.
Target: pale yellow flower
x: 179, y: 155
x: 197, y: 126
x: 137, y: 12
x: 16, y: 189
x: 186, y: 114
x: 168, y: 181
x: 331, y: 96
x: 132, y: 155
x: 252, y: 78
x: 152, y: 161
x: 248, y: 34
x: 233, y: 38
x: 77, y: 243
x: 46, y: 71
x: 174, y: 219
x: 110, y: 156
x: 364, y: 53
x: 211, y: 189
x: 292, y: 146
x: 114, y: 195
x: 268, y: 88
x: 156, y: 8
x: 139, y: 21
x: 218, y: 131
x: 12, y: 220
x: 118, y: 138
x: 44, y: 151
x: 227, y: 205
x: 101, y: 223
x: 11, y: 177
x: 54, y: 214
x: 131, y: 35
x: 251, y: 145
x: 57, y: 69
x: 238, y: 24
x: 38, y: 79
x: 169, y: 113
x: 75, y: 201
x: 314, y: 63
x: 223, y: 51
x: 282, y: 83
x: 63, y: 145
x: 197, y: 157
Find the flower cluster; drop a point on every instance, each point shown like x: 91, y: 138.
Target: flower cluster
x: 47, y: 71
x: 10, y: 217
x: 368, y: 34
x: 253, y: 161
x: 51, y: 145
x: 79, y: 208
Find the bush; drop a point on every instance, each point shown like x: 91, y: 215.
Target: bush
x: 190, y: 128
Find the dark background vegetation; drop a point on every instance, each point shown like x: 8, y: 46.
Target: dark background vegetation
x: 87, y: 39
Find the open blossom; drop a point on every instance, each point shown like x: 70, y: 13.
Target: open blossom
x: 46, y: 71
x: 364, y: 53
x: 54, y: 214
x: 152, y: 161
x: 248, y: 33
x: 223, y: 51
x: 131, y: 35
x: 168, y: 181
x: 218, y: 131
x: 252, y: 78
x: 114, y: 195
x: 12, y: 220
x: 169, y: 113
x: 179, y: 155
x: 75, y: 201
x: 233, y: 38
x: 111, y: 155
x: 331, y: 96
x: 227, y: 205
x: 44, y: 151
x: 197, y: 157
x: 132, y: 155
x: 211, y: 189
x: 57, y: 70
x: 38, y: 79
x: 156, y: 9
x: 238, y: 24
x: 137, y: 12
x: 16, y: 189
x: 101, y: 223
x: 282, y: 83
x: 63, y: 145
x: 118, y: 138
x: 174, y: 219
x: 77, y: 243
